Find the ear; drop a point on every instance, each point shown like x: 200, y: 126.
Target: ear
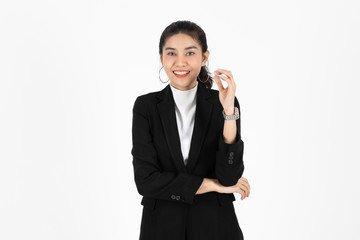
x: 205, y: 58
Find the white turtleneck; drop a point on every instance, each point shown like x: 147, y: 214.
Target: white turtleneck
x: 185, y: 105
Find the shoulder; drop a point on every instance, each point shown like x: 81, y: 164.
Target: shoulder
x: 146, y: 100
x: 147, y: 96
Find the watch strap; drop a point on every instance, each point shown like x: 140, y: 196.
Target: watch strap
x: 232, y: 117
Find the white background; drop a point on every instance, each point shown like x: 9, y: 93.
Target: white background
x: 71, y: 70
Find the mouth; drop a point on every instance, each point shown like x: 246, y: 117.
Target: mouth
x: 181, y: 74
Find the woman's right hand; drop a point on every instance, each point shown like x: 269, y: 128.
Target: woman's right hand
x: 242, y: 187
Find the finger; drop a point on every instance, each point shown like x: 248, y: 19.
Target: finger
x: 243, y: 195
x: 243, y: 180
x: 228, y: 80
x: 223, y: 73
x: 226, y: 72
x: 248, y: 189
x: 219, y: 84
x: 228, y: 77
x: 246, y: 186
x: 244, y: 189
x: 220, y: 76
x: 246, y: 183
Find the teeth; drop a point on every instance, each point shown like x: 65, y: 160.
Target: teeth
x: 180, y: 73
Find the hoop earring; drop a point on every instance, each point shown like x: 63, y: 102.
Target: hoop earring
x: 160, y: 78
x: 207, y: 71
x: 203, y: 81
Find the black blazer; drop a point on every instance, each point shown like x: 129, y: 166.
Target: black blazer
x: 162, y: 178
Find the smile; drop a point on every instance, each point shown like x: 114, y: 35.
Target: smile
x: 181, y: 74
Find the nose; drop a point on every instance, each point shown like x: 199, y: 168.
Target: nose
x: 180, y: 61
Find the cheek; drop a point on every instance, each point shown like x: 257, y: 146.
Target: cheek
x: 167, y: 62
x: 167, y: 67
x: 196, y: 62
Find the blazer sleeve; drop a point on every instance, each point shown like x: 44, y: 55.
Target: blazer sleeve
x: 150, y: 180
x: 229, y: 157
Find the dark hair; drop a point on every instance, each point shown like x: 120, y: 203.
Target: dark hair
x: 194, y: 31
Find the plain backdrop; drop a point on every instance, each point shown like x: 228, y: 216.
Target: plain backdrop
x: 70, y: 72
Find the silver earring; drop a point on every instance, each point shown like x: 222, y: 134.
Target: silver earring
x: 207, y: 70
x: 203, y: 81
x: 160, y: 78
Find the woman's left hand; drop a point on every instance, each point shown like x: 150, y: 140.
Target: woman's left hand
x: 242, y: 187
x: 226, y: 95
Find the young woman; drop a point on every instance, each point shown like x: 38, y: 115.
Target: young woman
x: 187, y: 147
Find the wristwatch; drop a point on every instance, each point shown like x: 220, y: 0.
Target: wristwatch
x: 232, y: 117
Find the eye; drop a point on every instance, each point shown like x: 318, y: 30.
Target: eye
x: 192, y: 53
x: 170, y: 53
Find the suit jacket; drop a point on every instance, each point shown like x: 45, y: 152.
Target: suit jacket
x: 168, y: 186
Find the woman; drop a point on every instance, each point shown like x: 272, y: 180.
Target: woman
x: 187, y: 148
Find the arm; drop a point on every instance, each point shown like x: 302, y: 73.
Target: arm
x: 150, y: 180
x: 208, y: 185
x: 229, y: 156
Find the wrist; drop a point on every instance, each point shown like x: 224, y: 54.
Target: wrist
x: 209, y: 185
x: 215, y: 185
x: 229, y: 110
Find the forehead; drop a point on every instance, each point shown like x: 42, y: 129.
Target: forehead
x: 181, y: 41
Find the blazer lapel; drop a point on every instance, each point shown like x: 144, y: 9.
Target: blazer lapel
x: 167, y: 113
x: 202, y: 119
x: 168, y: 119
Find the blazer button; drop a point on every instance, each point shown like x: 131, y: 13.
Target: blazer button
x: 231, y: 153
x: 231, y: 157
x: 230, y: 161
x: 173, y: 196
x: 177, y: 197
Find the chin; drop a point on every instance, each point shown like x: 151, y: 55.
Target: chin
x: 182, y: 84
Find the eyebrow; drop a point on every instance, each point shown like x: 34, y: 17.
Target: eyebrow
x: 171, y: 48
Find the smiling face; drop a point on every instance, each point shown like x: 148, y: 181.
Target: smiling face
x: 182, y: 60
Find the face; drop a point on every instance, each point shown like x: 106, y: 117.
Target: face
x: 182, y: 60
